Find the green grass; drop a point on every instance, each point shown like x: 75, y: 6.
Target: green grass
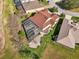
x: 69, y: 4
x: 64, y: 52
x: 28, y: 53
x: 9, y: 8
x: 75, y: 19
x: 54, y: 9
x: 44, y: 2
x: 21, y: 34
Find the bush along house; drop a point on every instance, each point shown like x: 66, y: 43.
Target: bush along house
x: 38, y: 25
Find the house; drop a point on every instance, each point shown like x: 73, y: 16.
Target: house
x: 69, y: 33
x: 28, y: 5
x: 40, y: 22
x: 44, y: 19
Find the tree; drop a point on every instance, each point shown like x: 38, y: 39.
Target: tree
x: 68, y: 4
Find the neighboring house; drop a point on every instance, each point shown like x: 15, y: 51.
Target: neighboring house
x: 40, y: 22
x: 69, y: 33
x: 28, y: 5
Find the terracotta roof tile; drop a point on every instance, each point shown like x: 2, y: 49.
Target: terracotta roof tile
x: 40, y: 18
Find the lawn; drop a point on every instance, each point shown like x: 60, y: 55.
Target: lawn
x: 75, y: 19
x: 69, y: 4
x: 44, y: 2
x: 57, y: 51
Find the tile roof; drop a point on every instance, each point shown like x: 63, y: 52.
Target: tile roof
x: 40, y: 18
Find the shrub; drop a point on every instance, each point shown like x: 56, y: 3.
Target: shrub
x: 27, y: 52
x: 21, y: 33
x: 54, y: 9
x: 68, y: 4
x: 45, y: 2
x: 75, y: 19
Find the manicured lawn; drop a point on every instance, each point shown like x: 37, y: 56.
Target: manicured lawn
x: 57, y: 51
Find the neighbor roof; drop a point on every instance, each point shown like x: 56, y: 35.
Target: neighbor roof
x: 31, y: 5
x: 40, y: 18
x: 69, y: 35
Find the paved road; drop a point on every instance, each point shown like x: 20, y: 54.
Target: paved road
x: 64, y: 11
x: 2, y: 40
